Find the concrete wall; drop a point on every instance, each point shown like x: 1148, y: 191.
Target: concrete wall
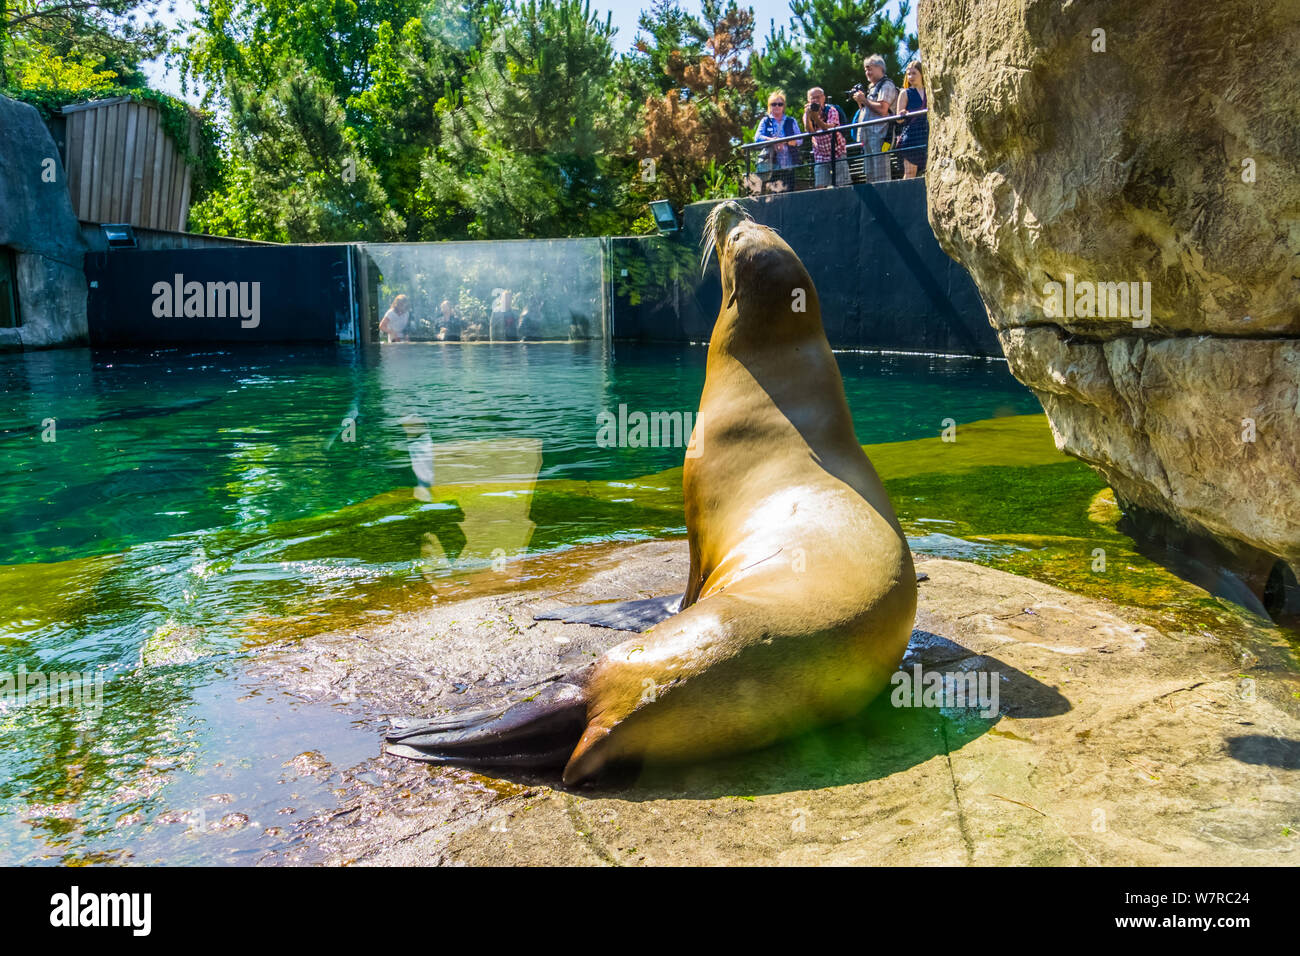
x: 37, y: 223
x: 883, y: 281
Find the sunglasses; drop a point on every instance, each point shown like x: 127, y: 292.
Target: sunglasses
x: 777, y: 103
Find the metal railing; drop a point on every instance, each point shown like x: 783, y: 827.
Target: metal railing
x: 802, y: 175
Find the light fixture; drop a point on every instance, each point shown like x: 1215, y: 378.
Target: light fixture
x: 119, y: 235
x: 665, y: 217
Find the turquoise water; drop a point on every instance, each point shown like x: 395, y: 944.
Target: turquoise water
x: 161, y: 512
x: 150, y: 446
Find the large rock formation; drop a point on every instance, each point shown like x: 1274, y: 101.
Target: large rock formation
x: 37, y: 223
x: 1157, y: 142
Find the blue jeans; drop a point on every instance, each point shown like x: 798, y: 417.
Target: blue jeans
x: 822, y: 173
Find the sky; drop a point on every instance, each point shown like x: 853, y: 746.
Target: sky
x: 625, y: 15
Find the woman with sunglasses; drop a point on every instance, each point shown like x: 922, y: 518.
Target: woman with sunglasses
x: 782, y: 157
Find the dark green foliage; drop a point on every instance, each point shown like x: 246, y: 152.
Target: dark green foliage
x: 825, y: 46
x: 309, y: 179
x: 414, y: 67
x: 530, y: 144
x: 450, y: 119
x: 782, y: 66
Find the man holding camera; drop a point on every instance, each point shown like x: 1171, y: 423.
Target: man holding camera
x: 821, y: 117
x: 875, y: 101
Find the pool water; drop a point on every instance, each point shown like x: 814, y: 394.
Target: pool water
x: 163, y: 513
x: 211, y: 492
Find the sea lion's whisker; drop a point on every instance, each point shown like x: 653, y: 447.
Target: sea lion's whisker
x: 709, y: 244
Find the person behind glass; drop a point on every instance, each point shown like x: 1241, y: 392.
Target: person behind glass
x: 529, y: 324
x: 504, y: 320
x: 915, y: 129
x: 448, y: 322
x: 818, y: 116
x: 396, y: 322
x: 877, y: 100
x: 781, y: 158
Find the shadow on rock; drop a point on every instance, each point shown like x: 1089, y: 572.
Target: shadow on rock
x: 1266, y: 751
x: 884, y: 739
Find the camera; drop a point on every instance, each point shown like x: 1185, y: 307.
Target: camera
x: 857, y: 88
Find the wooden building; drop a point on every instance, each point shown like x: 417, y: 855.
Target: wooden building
x: 122, y: 166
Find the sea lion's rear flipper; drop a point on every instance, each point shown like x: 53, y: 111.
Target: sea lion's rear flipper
x: 540, y: 731
x: 636, y: 616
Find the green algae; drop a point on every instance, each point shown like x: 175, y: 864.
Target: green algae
x: 1019, y: 440
x: 1047, y: 500
x: 40, y: 594
x: 1004, y: 482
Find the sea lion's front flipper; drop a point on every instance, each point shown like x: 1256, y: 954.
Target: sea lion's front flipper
x: 538, y: 732
x: 639, y: 616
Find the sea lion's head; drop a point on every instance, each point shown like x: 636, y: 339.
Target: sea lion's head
x: 754, y: 262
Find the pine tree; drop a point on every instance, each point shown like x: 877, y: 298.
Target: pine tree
x: 665, y: 31
x: 303, y: 177
x: 839, y: 34
x: 529, y: 141
x: 782, y: 66
x: 690, y: 134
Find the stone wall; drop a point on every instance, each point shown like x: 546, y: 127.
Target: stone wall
x: 37, y: 223
x: 1153, y: 143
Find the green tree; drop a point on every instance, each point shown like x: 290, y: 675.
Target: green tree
x: 302, y: 177
x: 387, y: 64
x: 247, y: 40
x: 782, y: 65
x: 531, y: 144
x: 839, y: 34
x: 101, y: 35
x: 396, y: 116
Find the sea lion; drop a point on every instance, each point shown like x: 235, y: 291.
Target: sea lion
x: 801, y: 594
